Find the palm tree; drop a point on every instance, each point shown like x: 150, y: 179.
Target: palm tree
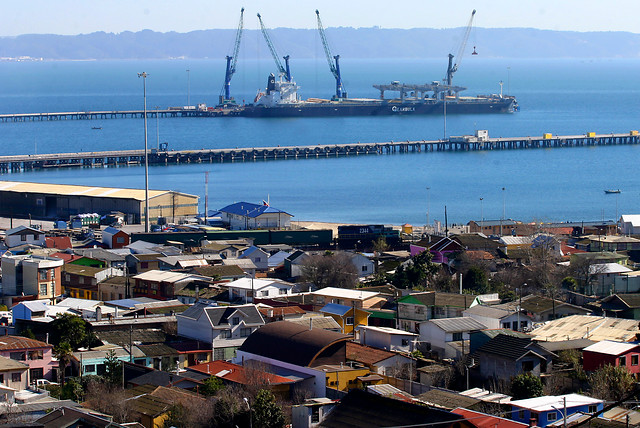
x: 63, y: 353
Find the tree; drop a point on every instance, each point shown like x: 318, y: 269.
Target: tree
x: 330, y: 270
x: 526, y: 385
x: 476, y: 280
x: 63, y: 354
x: 69, y: 328
x: 611, y: 382
x: 28, y: 333
x: 416, y: 272
x: 112, y: 369
x: 211, y: 386
x: 266, y: 412
x: 379, y: 246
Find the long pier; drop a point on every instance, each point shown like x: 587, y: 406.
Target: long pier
x: 115, y: 114
x: 20, y: 163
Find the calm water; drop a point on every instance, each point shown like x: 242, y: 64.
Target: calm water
x: 562, y: 97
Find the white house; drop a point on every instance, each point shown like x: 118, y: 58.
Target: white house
x: 387, y: 338
x: 225, y: 327
x: 246, y: 288
x: 495, y: 318
x: 449, y: 337
x: 259, y: 257
x: 245, y: 216
x: 630, y: 224
x: 24, y: 235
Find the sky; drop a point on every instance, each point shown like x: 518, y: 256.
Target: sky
x: 71, y: 17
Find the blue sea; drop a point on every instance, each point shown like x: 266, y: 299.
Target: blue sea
x: 564, y: 97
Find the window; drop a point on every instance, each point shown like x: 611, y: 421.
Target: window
x: 622, y: 361
x: 593, y: 408
x: 282, y: 291
x: 2, y: 378
x: 90, y: 368
x: 225, y: 334
x: 36, y: 374
x: 364, y: 268
x: 17, y: 356
x: 42, y: 274
x: 144, y: 265
x: 35, y: 355
x: 264, y: 293
x: 23, y: 237
x: 16, y: 377
x: 258, y: 260
x: 43, y: 288
x: 521, y: 414
x: 244, y: 332
x: 349, y: 321
x: 120, y: 240
x: 81, y: 280
x: 235, y: 320
x: 552, y: 416
x: 405, y: 342
x: 457, y: 336
x: 506, y: 325
x: 634, y: 360
x: 315, y: 414
x: 527, y: 366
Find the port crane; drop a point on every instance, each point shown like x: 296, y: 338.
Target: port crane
x: 231, y: 63
x: 452, y: 68
x: 282, y: 70
x: 335, y: 69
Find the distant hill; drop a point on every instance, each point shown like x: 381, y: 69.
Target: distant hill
x: 305, y: 43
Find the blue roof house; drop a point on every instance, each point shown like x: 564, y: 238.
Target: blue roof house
x: 549, y: 409
x: 246, y: 216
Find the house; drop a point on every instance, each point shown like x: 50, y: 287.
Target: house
x: 114, y: 288
x: 29, y: 310
x: 363, y: 410
x: 277, y: 260
x: 342, y: 296
x: 226, y: 273
x: 587, y: 327
x: 67, y: 416
x: 294, y: 263
x: 548, y: 409
x: 479, y: 338
x: 440, y: 248
x: 484, y: 420
x: 37, y: 355
x: 110, y: 258
x: 32, y: 276
x: 288, y: 347
x: 419, y: 307
x: 387, y: 338
x: 82, y: 281
x: 151, y: 404
x: 542, y: 309
x: 310, y: 413
x: 162, y: 285
x: 506, y: 356
x: 378, y: 360
x: 138, y: 263
x: 258, y: 256
x: 621, y: 306
x: 449, y: 337
x: 183, y: 261
x: 246, y: 288
x: 226, y: 249
x: 612, y: 243
x: 92, y: 362
x: 115, y: 238
x: 608, y: 352
x: 14, y: 374
x: 59, y: 242
x: 603, y: 276
x: 495, y: 318
x: 245, y: 264
x: 347, y: 317
x: 225, y: 327
x: 630, y: 224
x: 22, y: 235
x: 246, y: 216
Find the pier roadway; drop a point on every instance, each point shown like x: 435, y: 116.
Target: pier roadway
x: 115, y: 114
x: 158, y: 157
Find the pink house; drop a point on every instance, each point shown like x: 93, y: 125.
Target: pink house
x: 34, y: 353
x: 613, y: 353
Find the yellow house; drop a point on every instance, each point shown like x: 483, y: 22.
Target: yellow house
x: 348, y: 317
x: 343, y: 377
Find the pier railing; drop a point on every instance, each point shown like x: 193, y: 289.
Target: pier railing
x: 19, y: 163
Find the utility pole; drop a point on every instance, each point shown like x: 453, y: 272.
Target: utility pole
x: 206, y: 196
x: 146, y: 155
x: 158, y: 127
x: 428, y: 204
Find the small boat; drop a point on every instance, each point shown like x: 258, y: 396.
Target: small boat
x: 611, y: 191
x: 96, y: 127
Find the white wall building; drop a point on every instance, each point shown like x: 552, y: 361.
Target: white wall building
x: 24, y: 235
x: 246, y: 288
x: 387, y: 338
x: 449, y: 337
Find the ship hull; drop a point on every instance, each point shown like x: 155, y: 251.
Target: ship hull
x: 346, y: 108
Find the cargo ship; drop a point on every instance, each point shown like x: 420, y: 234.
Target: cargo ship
x: 281, y: 99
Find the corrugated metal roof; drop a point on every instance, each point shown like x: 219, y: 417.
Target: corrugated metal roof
x: 551, y: 402
x: 335, y: 309
x: 74, y: 190
x: 344, y: 293
x: 458, y: 324
x: 587, y: 327
x: 247, y: 209
x: 610, y: 347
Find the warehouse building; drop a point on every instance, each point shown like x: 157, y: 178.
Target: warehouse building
x: 63, y: 201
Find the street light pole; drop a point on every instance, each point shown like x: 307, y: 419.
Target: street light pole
x: 481, y: 215
x: 146, y: 155
x: 428, y: 204
x: 158, y: 127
